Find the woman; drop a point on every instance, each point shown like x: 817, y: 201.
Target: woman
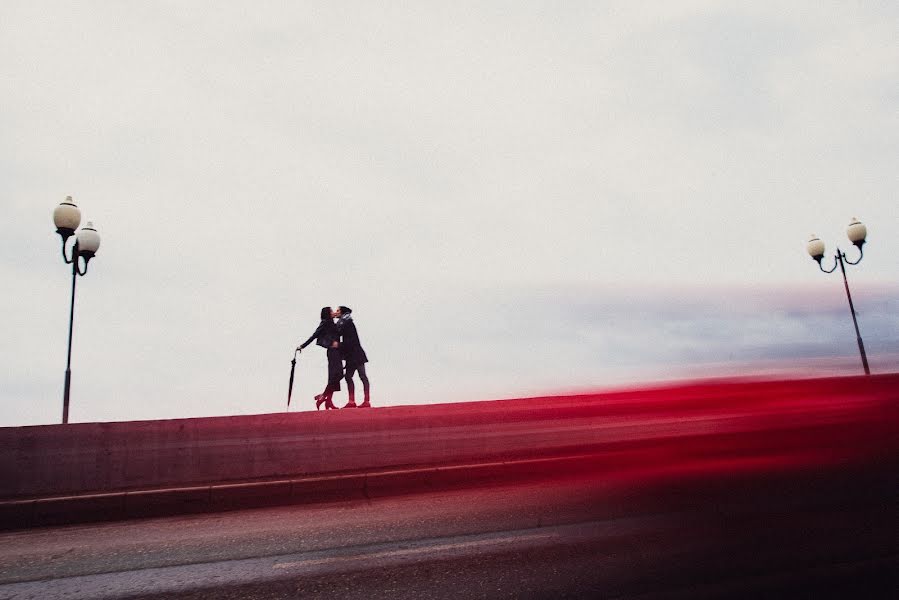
x: 327, y: 337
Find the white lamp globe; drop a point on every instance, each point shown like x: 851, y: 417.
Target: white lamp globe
x: 66, y: 217
x: 815, y: 248
x: 88, y: 240
x: 857, y: 232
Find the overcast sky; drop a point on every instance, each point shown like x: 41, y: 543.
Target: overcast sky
x: 513, y: 197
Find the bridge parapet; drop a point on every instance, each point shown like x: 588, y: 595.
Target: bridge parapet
x: 84, y: 458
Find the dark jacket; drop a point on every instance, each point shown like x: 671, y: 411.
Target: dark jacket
x: 353, y: 353
x: 325, y: 334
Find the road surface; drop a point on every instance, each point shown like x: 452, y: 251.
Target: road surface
x: 701, y: 530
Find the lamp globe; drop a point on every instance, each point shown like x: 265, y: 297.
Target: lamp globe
x: 815, y: 248
x: 88, y: 241
x: 857, y: 232
x: 66, y: 217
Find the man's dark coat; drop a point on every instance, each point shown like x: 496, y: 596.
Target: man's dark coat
x: 353, y: 353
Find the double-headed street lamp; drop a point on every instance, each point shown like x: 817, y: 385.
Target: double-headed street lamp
x: 857, y: 233
x: 67, y: 218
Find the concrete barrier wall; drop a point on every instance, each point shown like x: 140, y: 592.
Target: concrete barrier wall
x: 103, y: 457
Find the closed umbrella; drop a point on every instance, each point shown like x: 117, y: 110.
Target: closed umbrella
x: 293, y: 365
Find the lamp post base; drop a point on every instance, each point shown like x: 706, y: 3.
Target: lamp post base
x: 65, y: 397
x: 861, y: 349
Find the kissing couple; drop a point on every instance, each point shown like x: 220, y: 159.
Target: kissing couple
x: 338, y: 336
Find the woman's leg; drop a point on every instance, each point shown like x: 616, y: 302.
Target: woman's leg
x: 327, y: 399
x: 324, y: 397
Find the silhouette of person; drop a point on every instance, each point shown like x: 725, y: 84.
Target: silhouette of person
x: 327, y: 337
x: 354, y: 356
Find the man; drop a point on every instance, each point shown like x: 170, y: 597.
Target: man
x: 353, y: 354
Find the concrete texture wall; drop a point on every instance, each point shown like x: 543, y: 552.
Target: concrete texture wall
x: 103, y: 457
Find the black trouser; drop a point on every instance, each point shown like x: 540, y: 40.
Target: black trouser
x: 350, y: 386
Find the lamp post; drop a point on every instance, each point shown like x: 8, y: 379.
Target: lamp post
x: 857, y: 233
x: 67, y: 218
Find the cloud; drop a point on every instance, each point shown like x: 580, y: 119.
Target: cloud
x: 247, y: 165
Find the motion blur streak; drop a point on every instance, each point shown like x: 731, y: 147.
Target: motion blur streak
x: 788, y: 423
x: 709, y: 490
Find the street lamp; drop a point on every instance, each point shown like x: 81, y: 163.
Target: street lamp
x: 67, y: 218
x: 857, y: 232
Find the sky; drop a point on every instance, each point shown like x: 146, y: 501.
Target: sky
x: 515, y: 198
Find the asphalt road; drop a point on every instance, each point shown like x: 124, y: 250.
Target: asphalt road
x: 737, y: 529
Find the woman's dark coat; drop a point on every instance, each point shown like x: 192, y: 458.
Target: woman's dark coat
x: 325, y: 335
